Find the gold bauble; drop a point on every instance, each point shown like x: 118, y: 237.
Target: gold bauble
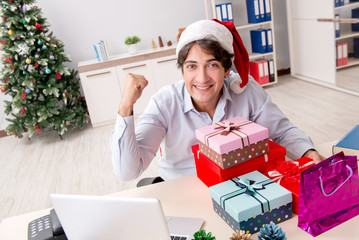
x: 10, y: 32
x: 28, y: 61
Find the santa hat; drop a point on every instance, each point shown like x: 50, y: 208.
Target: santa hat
x: 227, y: 35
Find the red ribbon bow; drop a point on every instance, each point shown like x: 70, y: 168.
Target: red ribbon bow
x: 9, y: 61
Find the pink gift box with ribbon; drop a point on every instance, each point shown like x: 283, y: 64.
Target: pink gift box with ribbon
x: 233, y: 141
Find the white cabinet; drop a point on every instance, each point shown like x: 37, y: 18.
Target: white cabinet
x: 143, y: 68
x: 102, y: 93
x: 165, y: 71
x: 239, y: 8
x: 103, y: 82
x: 312, y: 43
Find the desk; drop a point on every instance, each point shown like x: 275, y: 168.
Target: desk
x: 189, y: 197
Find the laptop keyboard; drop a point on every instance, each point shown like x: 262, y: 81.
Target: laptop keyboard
x: 178, y: 238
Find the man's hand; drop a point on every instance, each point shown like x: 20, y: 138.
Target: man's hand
x: 317, y: 158
x: 134, y: 85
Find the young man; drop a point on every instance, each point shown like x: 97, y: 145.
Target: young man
x: 209, y: 92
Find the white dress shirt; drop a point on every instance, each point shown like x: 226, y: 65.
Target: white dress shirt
x: 170, y: 121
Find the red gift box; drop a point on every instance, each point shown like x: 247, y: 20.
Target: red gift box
x: 287, y: 174
x: 210, y: 173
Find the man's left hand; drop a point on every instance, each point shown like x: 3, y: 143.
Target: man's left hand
x: 317, y: 158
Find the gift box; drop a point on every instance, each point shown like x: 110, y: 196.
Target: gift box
x: 233, y: 141
x: 251, y: 200
x: 210, y: 173
x: 287, y: 174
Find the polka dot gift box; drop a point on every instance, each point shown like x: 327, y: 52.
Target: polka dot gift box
x: 233, y: 141
x: 251, y: 200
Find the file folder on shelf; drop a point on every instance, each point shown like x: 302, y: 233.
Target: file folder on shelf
x: 337, y: 26
x: 271, y: 70
x: 259, y: 71
x: 268, y: 13
x: 261, y: 10
x: 339, y: 54
x: 345, y: 53
x: 258, y: 40
x: 229, y: 12
x: 253, y: 11
x: 355, y: 14
x: 219, y: 12
x: 356, y: 47
x: 269, y: 40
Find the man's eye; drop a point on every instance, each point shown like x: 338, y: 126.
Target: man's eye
x: 212, y: 65
x: 190, y: 66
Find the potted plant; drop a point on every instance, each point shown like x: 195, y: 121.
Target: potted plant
x: 132, y: 41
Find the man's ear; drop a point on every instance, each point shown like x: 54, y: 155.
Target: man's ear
x: 226, y: 74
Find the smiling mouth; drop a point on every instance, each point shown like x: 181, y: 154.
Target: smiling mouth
x: 203, y: 88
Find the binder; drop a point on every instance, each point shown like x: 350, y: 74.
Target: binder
x: 259, y: 71
x: 271, y: 70
x: 337, y: 26
x: 253, y: 11
x: 356, y: 47
x: 229, y: 12
x: 355, y: 14
x: 336, y: 3
x: 267, y: 9
x: 258, y: 40
x: 345, y: 53
x: 269, y: 40
x: 97, y: 55
x: 339, y: 54
x: 341, y: 2
x: 224, y: 12
x: 256, y: 71
x: 219, y: 12
x: 261, y: 11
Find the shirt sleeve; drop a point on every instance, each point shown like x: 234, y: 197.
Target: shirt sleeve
x: 281, y: 130
x: 133, y: 151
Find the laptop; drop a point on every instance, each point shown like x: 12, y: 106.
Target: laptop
x: 104, y: 218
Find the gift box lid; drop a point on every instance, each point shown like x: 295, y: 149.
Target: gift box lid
x: 240, y: 132
x: 276, y: 151
x: 249, y: 195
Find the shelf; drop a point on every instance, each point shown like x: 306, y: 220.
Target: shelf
x: 347, y: 35
x: 347, y: 5
x: 259, y: 55
x: 351, y: 62
x: 253, y: 25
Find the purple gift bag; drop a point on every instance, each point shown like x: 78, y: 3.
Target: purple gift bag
x: 328, y: 194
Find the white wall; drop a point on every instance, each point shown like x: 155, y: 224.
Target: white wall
x: 82, y: 23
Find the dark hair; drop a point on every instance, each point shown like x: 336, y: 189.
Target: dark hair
x: 209, y: 46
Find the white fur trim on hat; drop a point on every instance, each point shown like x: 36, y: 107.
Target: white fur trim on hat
x: 206, y: 29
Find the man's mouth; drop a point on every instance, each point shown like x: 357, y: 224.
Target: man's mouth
x: 203, y: 87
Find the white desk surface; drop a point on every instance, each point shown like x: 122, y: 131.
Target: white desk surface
x: 189, y: 197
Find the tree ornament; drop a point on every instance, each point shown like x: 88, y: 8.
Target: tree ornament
x: 3, y: 89
x: 201, y: 235
x: 23, y: 95
x: 39, y: 42
x: 241, y: 235
x: 271, y: 232
x: 33, y: 81
x: 23, y: 73
x: 47, y: 71
x: 28, y: 60
x: 58, y: 75
x: 24, y: 22
x: 38, y: 130
x: 51, y: 57
x: 4, y: 20
x: 27, y: 90
x: 23, y: 49
x: 4, y: 6
x: 10, y: 32
x: 44, y: 47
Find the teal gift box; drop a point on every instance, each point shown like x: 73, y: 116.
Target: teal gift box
x: 251, y: 200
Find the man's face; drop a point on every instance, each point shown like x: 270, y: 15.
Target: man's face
x: 204, y: 78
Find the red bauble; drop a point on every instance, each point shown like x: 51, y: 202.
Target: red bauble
x: 3, y: 89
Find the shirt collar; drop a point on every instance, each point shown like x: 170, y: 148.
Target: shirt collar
x: 188, y: 105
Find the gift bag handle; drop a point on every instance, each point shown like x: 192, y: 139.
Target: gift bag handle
x: 329, y: 194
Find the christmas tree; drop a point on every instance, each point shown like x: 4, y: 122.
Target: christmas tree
x: 45, y: 93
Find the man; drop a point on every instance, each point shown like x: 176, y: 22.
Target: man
x: 209, y: 92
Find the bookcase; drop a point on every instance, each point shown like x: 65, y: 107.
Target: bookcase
x: 312, y: 44
x: 240, y: 20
